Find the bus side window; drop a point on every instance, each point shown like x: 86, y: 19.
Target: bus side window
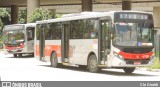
x: 56, y: 31
x: 77, y: 28
x: 48, y: 32
x: 91, y: 29
x: 30, y: 34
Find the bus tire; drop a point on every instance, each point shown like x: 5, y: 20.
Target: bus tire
x: 54, y: 60
x: 93, y: 64
x: 129, y: 69
x: 15, y: 55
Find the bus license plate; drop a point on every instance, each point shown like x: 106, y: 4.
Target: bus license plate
x: 137, y: 63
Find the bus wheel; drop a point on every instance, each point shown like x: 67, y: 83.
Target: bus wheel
x: 20, y: 54
x: 129, y: 69
x: 54, y: 60
x: 93, y: 64
x: 14, y: 55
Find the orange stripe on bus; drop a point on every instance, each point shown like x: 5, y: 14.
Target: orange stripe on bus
x: 49, y: 49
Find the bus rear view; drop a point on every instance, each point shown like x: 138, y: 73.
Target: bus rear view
x: 16, y: 39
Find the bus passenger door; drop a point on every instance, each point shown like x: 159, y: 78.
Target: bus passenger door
x: 30, y: 39
x: 65, y: 43
x: 42, y: 44
x: 104, y: 41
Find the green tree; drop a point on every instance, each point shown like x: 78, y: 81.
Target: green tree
x: 58, y: 15
x: 1, y: 25
x: 4, y: 19
x: 40, y: 14
x: 22, y: 16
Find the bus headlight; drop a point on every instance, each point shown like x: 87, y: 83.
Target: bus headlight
x: 117, y: 55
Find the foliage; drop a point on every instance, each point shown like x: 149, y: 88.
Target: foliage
x: 156, y: 64
x: 4, y: 19
x: 40, y: 14
x: 22, y: 16
x: 57, y: 15
x: 1, y: 24
x: 5, y: 15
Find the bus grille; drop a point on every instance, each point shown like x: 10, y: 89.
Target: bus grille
x: 142, y: 62
x: 137, y: 51
x: 13, y: 45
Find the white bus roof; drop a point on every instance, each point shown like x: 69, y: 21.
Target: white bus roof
x: 23, y: 25
x: 83, y: 15
x: 27, y: 24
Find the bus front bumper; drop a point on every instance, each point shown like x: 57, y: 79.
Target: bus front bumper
x: 118, y: 62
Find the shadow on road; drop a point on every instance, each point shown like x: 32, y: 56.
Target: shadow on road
x: 24, y: 56
x: 106, y: 71
x: 116, y: 73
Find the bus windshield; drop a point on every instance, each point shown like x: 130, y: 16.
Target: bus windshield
x: 133, y: 34
x: 13, y: 36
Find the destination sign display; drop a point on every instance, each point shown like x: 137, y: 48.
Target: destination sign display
x: 133, y: 16
x: 14, y: 27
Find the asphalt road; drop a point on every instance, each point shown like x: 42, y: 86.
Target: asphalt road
x: 27, y: 68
